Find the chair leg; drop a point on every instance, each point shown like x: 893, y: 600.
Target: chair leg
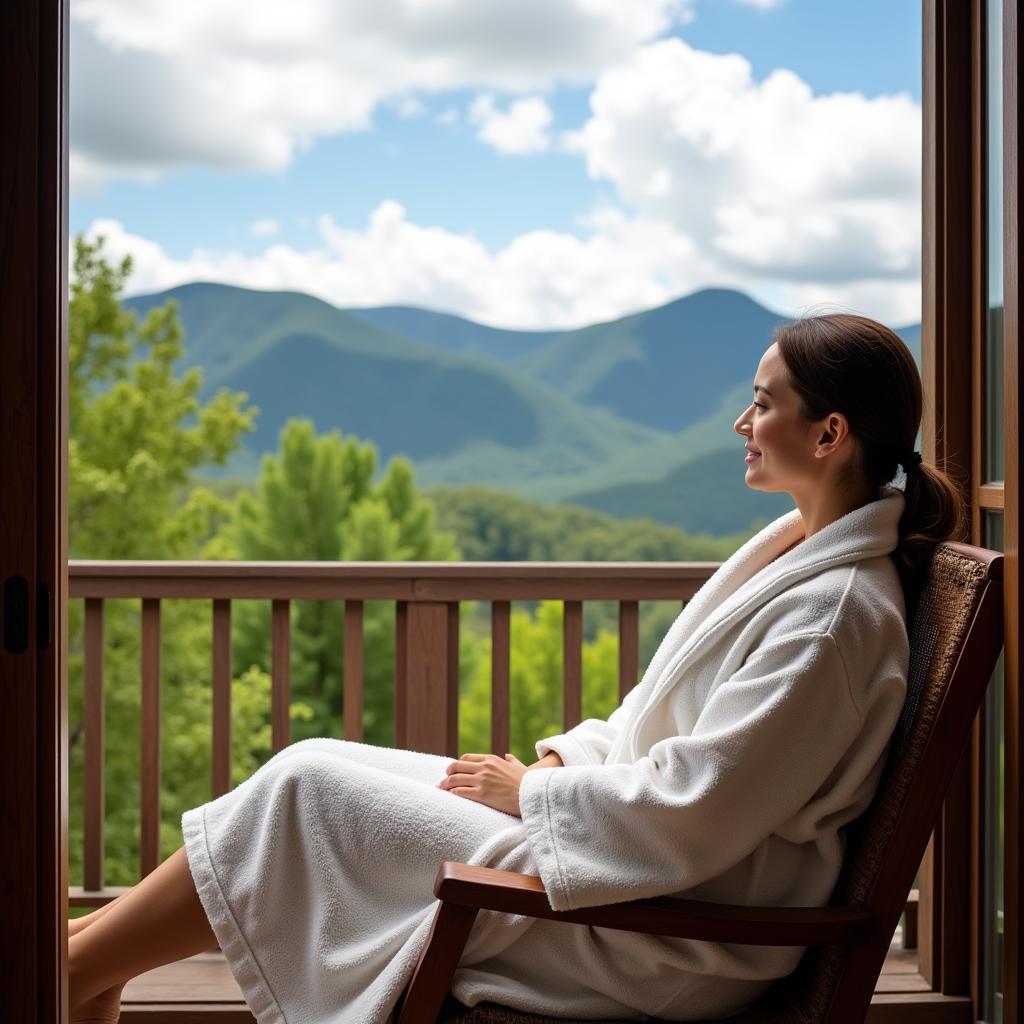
x: 425, y: 993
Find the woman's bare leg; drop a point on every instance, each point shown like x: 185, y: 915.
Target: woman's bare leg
x: 106, y: 1007
x: 76, y: 924
x: 158, y: 921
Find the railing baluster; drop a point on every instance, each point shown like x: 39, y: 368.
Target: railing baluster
x: 572, y: 658
x: 452, y: 696
x: 401, y: 630
x: 221, y: 696
x: 280, y: 674
x: 353, y: 700
x: 501, y: 726
x: 629, y: 644
x: 94, y: 744
x: 149, y: 854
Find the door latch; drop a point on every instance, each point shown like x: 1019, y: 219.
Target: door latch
x: 15, y: 615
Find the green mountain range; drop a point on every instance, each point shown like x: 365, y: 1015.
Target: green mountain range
x: 457, y: 334
x: 632, y: 417
x: 460, y: 418
x: 667, y: 367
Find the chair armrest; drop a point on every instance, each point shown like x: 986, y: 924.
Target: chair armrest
x: 511, y: 893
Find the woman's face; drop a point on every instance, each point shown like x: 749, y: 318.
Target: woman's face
x: 784, y: 441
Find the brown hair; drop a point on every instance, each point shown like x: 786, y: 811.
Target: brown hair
x: 850, y: 364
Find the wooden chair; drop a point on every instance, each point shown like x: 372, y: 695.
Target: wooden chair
x: 955, y: 638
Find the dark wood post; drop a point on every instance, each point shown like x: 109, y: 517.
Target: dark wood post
x: 1013, y: 231
x: 426, y: 709
x: 947, y: 311
x: 33, y: 512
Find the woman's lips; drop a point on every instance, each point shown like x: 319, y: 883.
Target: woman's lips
x: 751, y: 456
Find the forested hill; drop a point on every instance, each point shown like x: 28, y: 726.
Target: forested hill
x: 585, y: 415
x: 667, y: 367
x: 453, y: 414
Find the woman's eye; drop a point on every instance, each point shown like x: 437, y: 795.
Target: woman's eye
x: 760, y: 405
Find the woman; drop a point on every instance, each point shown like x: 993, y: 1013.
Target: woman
x: 759, y: 729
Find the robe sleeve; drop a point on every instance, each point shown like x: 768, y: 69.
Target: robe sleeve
x: 590, y: 741
x: 766, y: 740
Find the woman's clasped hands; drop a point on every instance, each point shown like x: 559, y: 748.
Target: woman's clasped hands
x: 493, y: 780
x: 488, y: 779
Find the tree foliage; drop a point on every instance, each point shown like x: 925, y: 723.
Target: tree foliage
x: 316, y: 500
x: 493, y: 525
x: 138, y: 434
x: 138, y: 431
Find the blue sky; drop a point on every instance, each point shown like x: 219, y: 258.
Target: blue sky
x: 444, y: 177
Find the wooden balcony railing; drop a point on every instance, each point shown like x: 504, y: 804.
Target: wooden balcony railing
x: 426, y: 596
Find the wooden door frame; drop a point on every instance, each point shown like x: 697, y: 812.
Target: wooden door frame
x: 956, y: 307
x: 1013, y: 849
x: 33, y: 504
x: 954, y: 310
x: 947, y: 308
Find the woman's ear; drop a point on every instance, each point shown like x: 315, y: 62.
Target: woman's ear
x: 833, y: 431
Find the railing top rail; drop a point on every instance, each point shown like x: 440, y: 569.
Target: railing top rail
x: 405, y: 581
x: 84, y: 569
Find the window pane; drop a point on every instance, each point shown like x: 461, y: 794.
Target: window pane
x: 991, y: 1009
x: 994, y: 332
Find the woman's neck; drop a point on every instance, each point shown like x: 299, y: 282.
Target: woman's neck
x: 827, y: 504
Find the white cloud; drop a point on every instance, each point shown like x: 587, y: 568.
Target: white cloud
x: 522, y: 129
x: 157, y: 85
x: 541, y: 279
x: 763, y: 5
x: 773, y: 182
x: 715, y: 178
x: 265, y: 227
x: 896, y: 303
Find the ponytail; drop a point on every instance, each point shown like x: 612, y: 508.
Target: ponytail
x: 935, y: 511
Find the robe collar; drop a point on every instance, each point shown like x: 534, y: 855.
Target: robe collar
x: 762, y: 568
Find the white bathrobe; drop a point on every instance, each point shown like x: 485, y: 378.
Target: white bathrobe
x: 758, y: 730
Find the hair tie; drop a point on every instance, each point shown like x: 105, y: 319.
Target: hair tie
x: 911, y: 461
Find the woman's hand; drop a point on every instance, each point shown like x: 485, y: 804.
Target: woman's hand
x: 487, y: 779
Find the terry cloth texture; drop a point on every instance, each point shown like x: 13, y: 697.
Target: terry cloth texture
x: 758, y: 731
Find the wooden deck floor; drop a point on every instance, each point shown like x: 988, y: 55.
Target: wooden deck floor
x: 201, y: 990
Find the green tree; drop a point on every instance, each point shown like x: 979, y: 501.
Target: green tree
x: 138, y: 431
x: 138, y: 435
x: 316, y: 501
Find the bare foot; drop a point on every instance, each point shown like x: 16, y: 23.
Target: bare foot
x: 102, y: 1009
